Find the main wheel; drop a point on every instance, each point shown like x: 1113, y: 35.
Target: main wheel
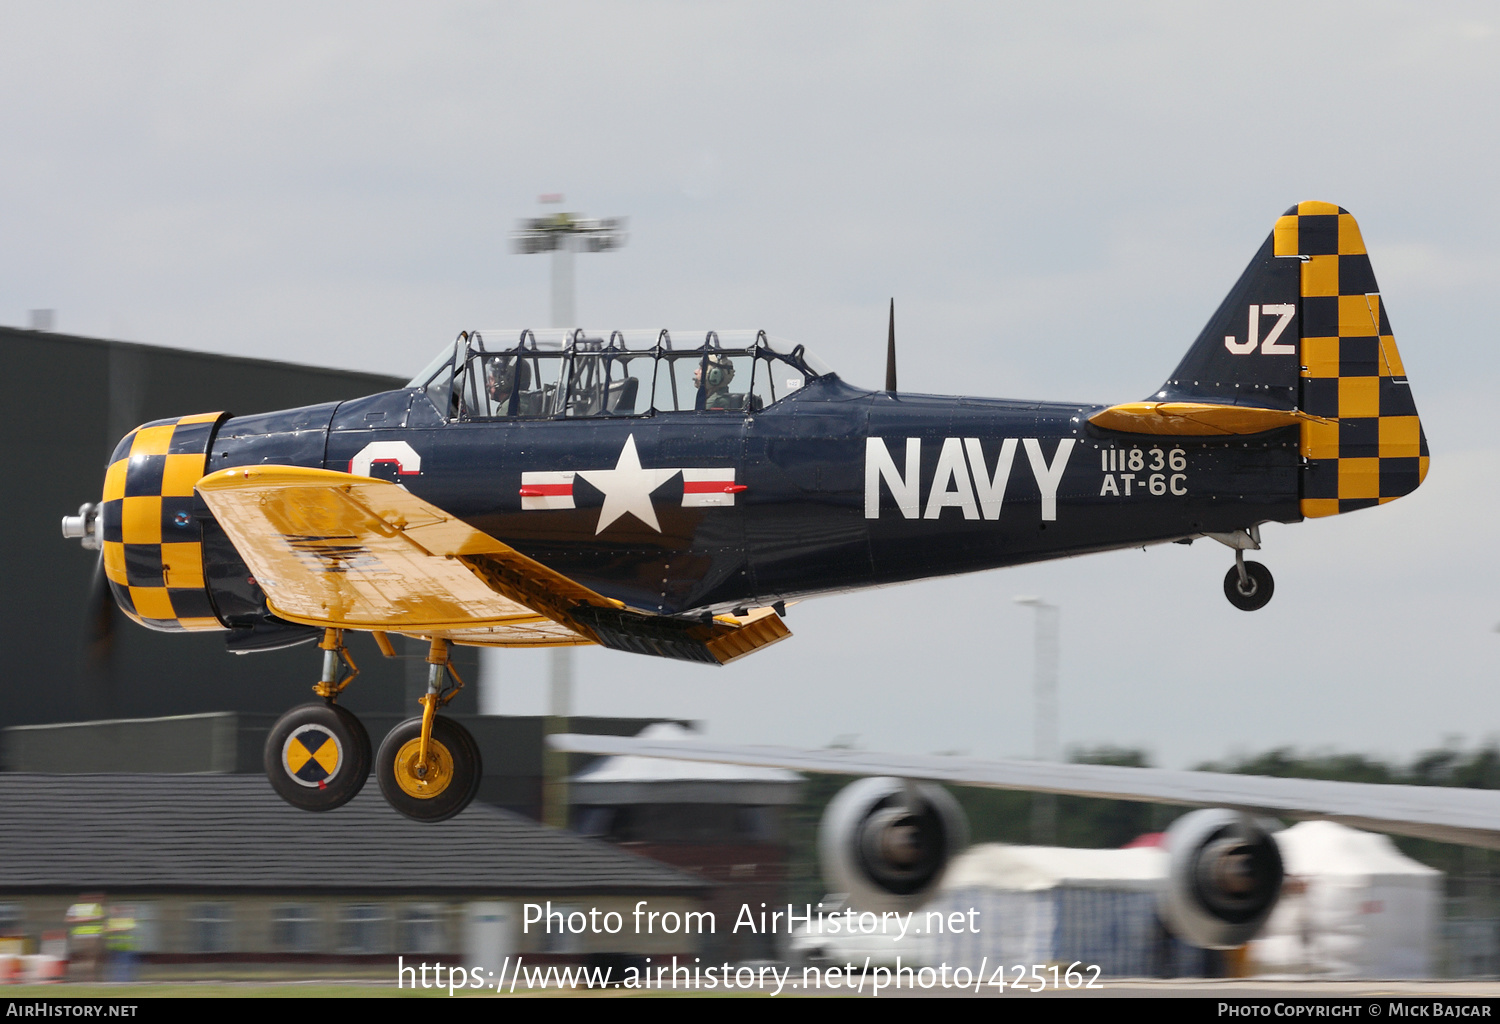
x: 452, y: 776
x: 318, y: 756
x: 1255, y: 592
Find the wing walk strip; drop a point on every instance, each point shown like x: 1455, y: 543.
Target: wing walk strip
x: 1448, y: 815
x: 332, y: 549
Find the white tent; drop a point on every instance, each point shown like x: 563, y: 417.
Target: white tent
x: 1362, y: 909
x: 1012, y: 905
x: 1354, y: 906
x: 1055, y: 905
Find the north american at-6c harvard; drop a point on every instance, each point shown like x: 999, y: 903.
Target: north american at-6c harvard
x: 665, y: 493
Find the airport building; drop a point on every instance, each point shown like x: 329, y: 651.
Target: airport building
x: 219, y: 868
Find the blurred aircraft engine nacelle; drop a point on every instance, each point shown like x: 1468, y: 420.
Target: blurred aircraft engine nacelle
x: 1223, y: 879
x: 885, y: 842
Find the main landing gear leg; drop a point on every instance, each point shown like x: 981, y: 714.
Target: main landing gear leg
x: 429, y: 767
x: 318, y: 755
x: 1248, y: 585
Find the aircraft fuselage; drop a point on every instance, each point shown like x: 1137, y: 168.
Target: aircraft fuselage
x: 832, y: 488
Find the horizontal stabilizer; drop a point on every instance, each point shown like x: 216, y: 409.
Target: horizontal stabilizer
x: 1196, y: 419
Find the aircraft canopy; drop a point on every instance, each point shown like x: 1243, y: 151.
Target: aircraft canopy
x: 527, y: 374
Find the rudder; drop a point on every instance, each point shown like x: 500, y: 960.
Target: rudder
x: 1374, y: 451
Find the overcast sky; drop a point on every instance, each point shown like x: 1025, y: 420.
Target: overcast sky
x: 1057, y: 196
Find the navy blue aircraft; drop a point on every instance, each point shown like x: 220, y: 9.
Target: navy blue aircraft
x: 666, y: 494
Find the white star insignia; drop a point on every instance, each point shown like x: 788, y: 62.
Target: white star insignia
x: 627, y: 488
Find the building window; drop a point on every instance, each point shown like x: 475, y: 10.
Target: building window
x: 557, y: 938
x: 12, y: 919
x: 758, y: 824
x: 421, y: 929
x: 593, y: 821
x: 363, y: 929
x: 294, y: 928
x: 147, y: 916
x: 210, y: 927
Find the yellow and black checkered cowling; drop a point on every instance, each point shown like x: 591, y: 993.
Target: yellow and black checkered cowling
x: 1375, y: 450
x: 153, y: 551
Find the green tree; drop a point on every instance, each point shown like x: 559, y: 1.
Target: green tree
x: 1469, y: 870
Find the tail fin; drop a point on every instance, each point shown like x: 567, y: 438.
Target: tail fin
x: 1302, y: 338
x: 1375, y: 450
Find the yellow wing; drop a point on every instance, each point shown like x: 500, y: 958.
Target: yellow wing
x: 353, y: 552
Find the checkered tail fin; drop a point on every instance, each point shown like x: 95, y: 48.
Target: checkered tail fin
x: 1305, y: 328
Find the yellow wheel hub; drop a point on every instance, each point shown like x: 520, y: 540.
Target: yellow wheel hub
x: 423, y: 785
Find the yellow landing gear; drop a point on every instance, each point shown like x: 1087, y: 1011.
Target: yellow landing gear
x: 429, y: 767
x: 317, y: 756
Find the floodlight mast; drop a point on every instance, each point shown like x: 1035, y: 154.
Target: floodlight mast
x: 1044, y: 805
x: 562, y: 234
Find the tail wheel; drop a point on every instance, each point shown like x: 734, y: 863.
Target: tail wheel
x: 318, y: 756
x: 438, y: 789
x: 1254, y: 591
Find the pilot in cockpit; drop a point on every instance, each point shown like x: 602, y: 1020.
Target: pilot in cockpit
x: 502, y: 379
x: 711, y: 377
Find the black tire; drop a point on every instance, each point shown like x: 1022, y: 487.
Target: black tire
x: 1258, y: 592
x: 449, y: 740
x: 317, y: 756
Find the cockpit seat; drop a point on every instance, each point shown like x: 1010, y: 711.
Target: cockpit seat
x: 622, y: 396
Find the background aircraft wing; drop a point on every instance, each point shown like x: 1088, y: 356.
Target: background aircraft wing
x: 1467, y: 816
x: 352, y: 552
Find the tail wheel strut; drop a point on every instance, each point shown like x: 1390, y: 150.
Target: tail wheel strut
x: 1248, y: 585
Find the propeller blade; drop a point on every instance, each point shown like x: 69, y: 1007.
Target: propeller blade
x: 100, y: 616
x: 890, y: 352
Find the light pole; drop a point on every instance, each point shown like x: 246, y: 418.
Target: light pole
x: 1044, y: 725
x: 562, y: 234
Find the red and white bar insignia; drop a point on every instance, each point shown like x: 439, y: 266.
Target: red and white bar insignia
x: 547, y: 490
x: 701, y: 487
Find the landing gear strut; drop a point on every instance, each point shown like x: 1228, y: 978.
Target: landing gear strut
x: 1248, y: 585
x: 318, y: 755
x: 429, y: 767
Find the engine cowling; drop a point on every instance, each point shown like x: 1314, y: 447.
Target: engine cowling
x: 886, y: 842
x: 1223, y: 879
x: 148, y: 528
x: 167, y: 561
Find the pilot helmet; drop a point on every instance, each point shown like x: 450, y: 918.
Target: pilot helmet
x: 505, y: 375
x: 719, y: 371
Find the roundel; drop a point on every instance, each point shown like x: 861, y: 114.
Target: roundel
x: 402, y: 455
x: 312, y: 756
